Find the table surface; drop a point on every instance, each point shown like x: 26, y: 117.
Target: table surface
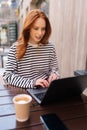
x: 72, y: 112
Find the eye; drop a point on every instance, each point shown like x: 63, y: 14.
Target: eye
x: 43, y: 29
x: 35, y: 28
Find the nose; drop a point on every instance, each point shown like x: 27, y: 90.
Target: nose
x: 40, y: 32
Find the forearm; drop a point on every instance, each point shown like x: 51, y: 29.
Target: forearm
x: 54, y: 63
x: 56, y: 71
x: 18, y: 81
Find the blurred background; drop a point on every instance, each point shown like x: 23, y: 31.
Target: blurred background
x: 69, y: 30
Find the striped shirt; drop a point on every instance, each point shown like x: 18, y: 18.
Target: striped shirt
x: 38, y: 62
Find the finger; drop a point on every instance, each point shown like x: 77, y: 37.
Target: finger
x: 50, y: 79
x: 41, y: 84
x: 46, y: 83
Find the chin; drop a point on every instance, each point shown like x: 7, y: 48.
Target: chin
x: 38, y: 41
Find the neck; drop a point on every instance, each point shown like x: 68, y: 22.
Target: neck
x: 33, y: 44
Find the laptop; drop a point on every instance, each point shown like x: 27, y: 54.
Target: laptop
x: 60, y: 90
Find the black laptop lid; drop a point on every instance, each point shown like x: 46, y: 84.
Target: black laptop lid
x: 65, y: 88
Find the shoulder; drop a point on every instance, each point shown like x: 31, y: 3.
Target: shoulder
x: 51, y: 46
x: 14, y: 45
x: 12, y: 48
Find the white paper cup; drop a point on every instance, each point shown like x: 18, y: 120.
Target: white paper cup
x: 22, y: 104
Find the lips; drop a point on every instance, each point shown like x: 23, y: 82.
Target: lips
x: 38, y: 38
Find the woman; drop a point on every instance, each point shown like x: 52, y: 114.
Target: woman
x: 32, y: 59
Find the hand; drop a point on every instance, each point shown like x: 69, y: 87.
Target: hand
x: 42, y: 82
x: 52, y: 77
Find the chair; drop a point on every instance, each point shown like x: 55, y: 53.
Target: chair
x: 80, y: 72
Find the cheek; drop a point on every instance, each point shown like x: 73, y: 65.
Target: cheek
x: 31, y: 31
x: 44, y: 33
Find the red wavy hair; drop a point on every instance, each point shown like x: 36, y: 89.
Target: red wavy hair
x: 24, y: 38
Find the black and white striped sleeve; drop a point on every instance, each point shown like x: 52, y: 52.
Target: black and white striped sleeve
x: 53, y: 61
x: 11, y: 75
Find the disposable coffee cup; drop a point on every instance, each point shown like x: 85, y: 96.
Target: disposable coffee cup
x: 22, y: 103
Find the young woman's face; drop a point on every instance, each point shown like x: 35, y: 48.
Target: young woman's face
x: 37, y: 31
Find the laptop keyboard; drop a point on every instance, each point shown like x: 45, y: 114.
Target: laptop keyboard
x: 40, y: 95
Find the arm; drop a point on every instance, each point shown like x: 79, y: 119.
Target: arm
x: 11, y: 75
x: 54, y: 72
